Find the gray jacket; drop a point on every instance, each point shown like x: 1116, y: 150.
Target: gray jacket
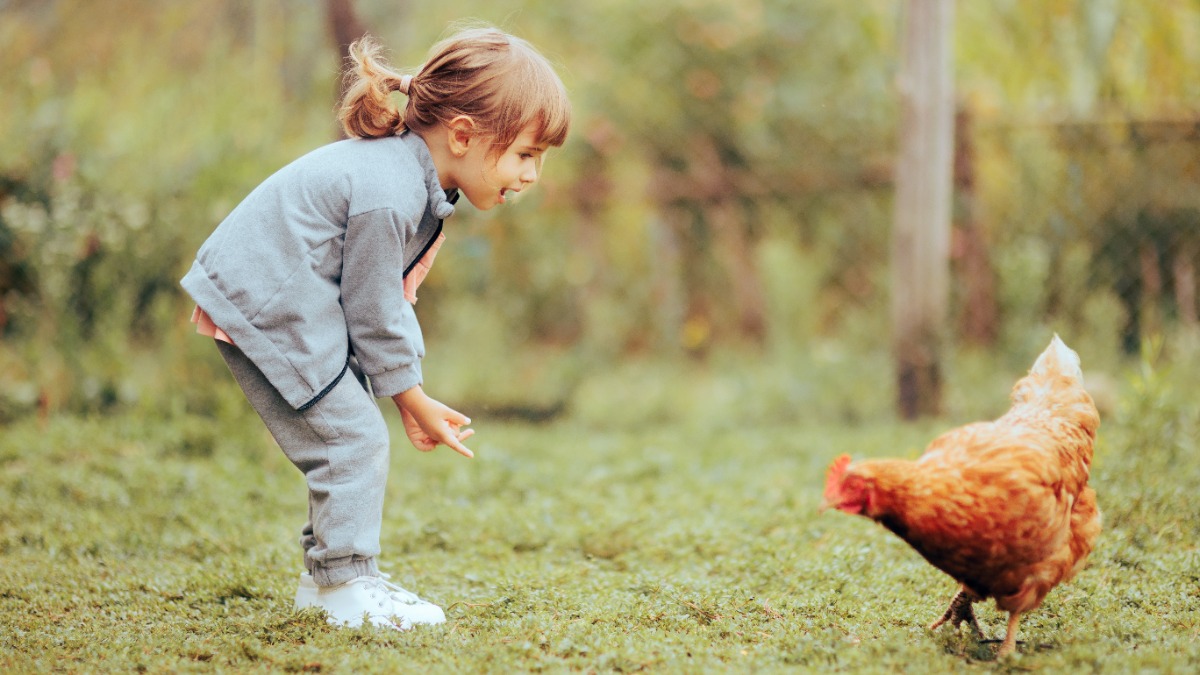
x: 308, y: 270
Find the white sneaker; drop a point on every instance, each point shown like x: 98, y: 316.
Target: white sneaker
x: 347, y: 604
x: 406, y: 605
x: 410, y: 607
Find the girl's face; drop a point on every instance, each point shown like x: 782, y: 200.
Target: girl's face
x: 487, y: 179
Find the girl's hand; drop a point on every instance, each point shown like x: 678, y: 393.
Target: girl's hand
x: 429, y: 423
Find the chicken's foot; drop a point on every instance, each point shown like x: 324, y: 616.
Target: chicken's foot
x: 1010, y: 638
x: 960, y: 611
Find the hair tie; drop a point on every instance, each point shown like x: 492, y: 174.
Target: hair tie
x: 405, y: 81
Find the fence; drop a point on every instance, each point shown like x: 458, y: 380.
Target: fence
x: 1113, y: 209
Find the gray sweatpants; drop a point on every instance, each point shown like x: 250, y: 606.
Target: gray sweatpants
x: 341, y: 445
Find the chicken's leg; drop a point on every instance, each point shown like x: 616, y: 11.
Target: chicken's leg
x: 960, y: 611
x: 1010, y: 638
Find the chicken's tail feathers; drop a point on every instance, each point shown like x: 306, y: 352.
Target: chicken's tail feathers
x: 1058, y: 358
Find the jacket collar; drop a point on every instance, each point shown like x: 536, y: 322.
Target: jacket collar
x: 441, y: 205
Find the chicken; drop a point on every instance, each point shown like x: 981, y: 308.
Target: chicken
x: 1003, y: 507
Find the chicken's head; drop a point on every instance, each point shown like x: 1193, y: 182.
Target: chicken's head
x: 846, y: 490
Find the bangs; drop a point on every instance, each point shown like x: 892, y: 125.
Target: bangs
x: 553, y: 115
x: 535, y: 95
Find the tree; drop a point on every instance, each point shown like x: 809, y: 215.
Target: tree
x: 921, y: 238
x: 344, y: 27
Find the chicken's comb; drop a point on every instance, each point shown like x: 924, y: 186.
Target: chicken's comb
x: 833, y: 477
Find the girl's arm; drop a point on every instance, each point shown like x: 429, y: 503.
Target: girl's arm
x: 383, y: 329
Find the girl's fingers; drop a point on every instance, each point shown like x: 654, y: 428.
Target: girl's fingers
x: 460, y: 449
x: 453, y: 440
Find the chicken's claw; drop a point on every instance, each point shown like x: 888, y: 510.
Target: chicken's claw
x: 958, y: 612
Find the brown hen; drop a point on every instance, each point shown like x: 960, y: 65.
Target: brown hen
x: 1003, y: 507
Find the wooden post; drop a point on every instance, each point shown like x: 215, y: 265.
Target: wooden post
x: 921, y: 238
x: 344, y: 27
x: 344, y: 24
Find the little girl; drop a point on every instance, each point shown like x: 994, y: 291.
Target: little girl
x: 315, y: 274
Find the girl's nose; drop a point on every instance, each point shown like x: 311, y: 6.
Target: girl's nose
x: 533, y: 169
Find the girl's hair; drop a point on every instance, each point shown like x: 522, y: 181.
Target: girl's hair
x: 499, y: 81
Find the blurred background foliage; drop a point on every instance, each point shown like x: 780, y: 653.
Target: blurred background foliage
x: 713, y: 237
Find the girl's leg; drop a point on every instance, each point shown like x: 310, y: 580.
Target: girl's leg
x: 307, y: 540
x: 341, y: 445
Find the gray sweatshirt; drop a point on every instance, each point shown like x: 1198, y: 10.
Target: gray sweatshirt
x: 309, y: 268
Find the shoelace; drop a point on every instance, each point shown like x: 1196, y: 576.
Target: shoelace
x: 374, y: 588
x: 405, y: 596
x: 377, y: 585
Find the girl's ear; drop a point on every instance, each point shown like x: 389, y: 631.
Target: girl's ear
x: 460, y: 134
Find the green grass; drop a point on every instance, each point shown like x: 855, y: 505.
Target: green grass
x: 131, y: 545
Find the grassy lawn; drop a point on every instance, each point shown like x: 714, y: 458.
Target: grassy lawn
x: 129, y: 545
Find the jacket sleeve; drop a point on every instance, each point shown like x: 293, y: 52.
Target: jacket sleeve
x: 384, y: 332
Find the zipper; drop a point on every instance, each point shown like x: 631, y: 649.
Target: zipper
x: 428, y: 245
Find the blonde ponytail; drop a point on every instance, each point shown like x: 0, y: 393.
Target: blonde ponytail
x: 367, y: 109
